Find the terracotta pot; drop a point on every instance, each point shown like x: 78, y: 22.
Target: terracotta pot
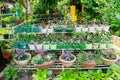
x: 109, y: 62
x: 6, y: 55
x: 67, y: 63
x: 90, y: 64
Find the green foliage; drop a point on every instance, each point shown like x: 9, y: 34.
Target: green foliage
x: 42, y: 74
x: 11, y: 73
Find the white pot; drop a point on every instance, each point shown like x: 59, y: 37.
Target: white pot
x: 85, y: 29
x: 50, y: 30
x: 23, y: 62
x: 7, y: 25
x: 78, y: 29
x: 31, y: 46
x: 99, y: 28
x: 92, y: 29
x: 39, y: 46
x: 106, y: 28
x: 44, y: 31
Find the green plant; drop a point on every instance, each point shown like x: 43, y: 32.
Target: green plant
x: 11, y: 73
x: 42, y: 74
x: 68, y: 75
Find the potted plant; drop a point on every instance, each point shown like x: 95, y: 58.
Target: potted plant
x: 28, y: 28
x: 78, y: 28
x: 20, y: 29
x: 22, y: 58
x: 36, y: 28
x: 70, y: 27
x: 50, y: 29
x: 42, y: 74
x: 53, y: 44
x: 67, y: 58
x: 109, y: 58
x: 42, y: 59
x: 16, y: 43
x: 86, y: 59
x: 58, y: 28
x: 44, y: 29
x: 6, y: 49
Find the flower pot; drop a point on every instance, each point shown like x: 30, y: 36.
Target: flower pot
x: 59, y: 45
x: 36, y: 29
x: 109, y: 62
x: 46, y: 46
x: 23, y: 62
x: 78, y: 29
x: 92, y: 29
x: 102, y: 45
x: 45, y: 64
x: 85, y: 29
x: 23, y: 45
x: 106, y: 28
x: 99, y: 28
x: 31, y: 47
x: 7, y: 25
x: 82, y: 46
x: 6, y: 55
x: 20, y: 29
x: 44, y: 31
x: 89, y: 46
x: 6, y: 36
x: 67, y: 63
x: 50, y: 31
x: 110, y: 45
x: 75, y: 46
x: 95, y: 45
x: 58, y: 29
x: 53, y: 46
x: 66, y: 46
x: 39, y: 46
x: 90, y: 64
x: 16, y: 45
x: 69, y: 29
x: 28, y: 29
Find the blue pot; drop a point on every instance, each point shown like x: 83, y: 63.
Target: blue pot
x: 36, y: 29
x: 20, y: 29
x: 16, y: 45
x: 28, y: 29
x: 23, y: 45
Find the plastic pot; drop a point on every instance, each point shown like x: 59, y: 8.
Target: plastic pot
x: 46, y: 46
x: 82, y: 46
x: 23, y: 45
x: 78, y: 29
x: 75, y: 46
x: 92, y: 29
x: 44, y: 31
x: 69, y: 29
x: 58, y: 29
x: 16, y: 45
x: 6, y: 36
x: 110, y: 45
x: 53, y: 46
x: 99, y: 28
x: 20, y: 29
x: 89, y: 46
x: 36, y: 29
x: 102, y: 45
x: 59, y: 45
x: 85, y: 29
x: 66, y: 46
x: 50, y: 31
x: 28, y: 29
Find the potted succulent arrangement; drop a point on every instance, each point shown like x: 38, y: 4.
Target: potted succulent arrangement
x: 6, y: 49
x: 70, y: 27
x: 109, y: 58
x: 42, y: 59
x: 67, y: 58
x: 86, y: 59
x: 89, y: 41
x: 22, y: 58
